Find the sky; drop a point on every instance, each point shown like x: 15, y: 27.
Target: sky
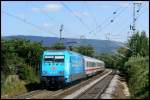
x: 80, y: 19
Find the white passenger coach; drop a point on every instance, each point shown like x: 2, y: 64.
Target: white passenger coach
x: 92, y: 65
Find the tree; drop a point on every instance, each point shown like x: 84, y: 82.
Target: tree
x: 139, y: 44
x: 109, y: 59
x: 18, y: 51
x: 135, y: 65
x: 3, y: 53
x: 58, y: 46
x: 87, y: 50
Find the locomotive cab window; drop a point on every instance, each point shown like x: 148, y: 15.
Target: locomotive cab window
x: 49, y: 58
x: 54, y: 58
x: 59, y: 58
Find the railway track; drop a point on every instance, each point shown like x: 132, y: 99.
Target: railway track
x: 37, y: 94
x: 26, y: 95
x: 80, y: 93
x: 96, y: 91
x: 78, y: 86
x: 61, y: 93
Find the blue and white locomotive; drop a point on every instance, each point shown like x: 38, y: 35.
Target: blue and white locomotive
x: 63, y: 66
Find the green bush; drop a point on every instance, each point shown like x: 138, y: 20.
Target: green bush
x: 26, y: 73
x: 19, y: 57
x: 138, y: 79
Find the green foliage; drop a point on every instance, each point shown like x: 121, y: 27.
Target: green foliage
x: 107, y: 58
x: 85, y: 50
x: 139, y: 44
x: 138, y: 76
x: 19, y: 57
x: 19, y: 49
x: 26, y: 73
x: 12, y: 61
x: 134, y: 64
x: 58, y: 46
x: 3, y: 53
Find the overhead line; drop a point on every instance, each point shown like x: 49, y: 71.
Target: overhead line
x: 111, y: 21
x: 43, y: 13
x: 98, y: 26
x: 136, y: 19
x: 139, y: 10
x: 23, y: 20
x: 70, y: 10
x: 49, y: 17
x: 91, y: 14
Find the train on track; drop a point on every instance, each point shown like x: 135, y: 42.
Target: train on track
x: 64, y: 66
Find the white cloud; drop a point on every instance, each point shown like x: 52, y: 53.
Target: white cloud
x: 52, y: 7
x: 48, y: 26
x: 124, y: 3
x: 22, y: 16
x: 80, y: 14
x: 35, y: 9
x: 85, y: 13
x: 138, y: 1
x: 45, y: 24
x: 99, y: 4
x: 2, y: 3
x: 104, y: 6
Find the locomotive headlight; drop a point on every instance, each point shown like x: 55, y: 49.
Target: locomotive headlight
x: 61, y: 72
x: 44, y: 72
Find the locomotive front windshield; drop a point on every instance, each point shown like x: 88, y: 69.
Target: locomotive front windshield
x: 54, y: 58
x: 59, y: 59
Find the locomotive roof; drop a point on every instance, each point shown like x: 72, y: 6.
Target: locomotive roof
x: 63, y: 51
x: 76, y: 53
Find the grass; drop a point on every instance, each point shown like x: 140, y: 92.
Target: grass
x: 13, y: 86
